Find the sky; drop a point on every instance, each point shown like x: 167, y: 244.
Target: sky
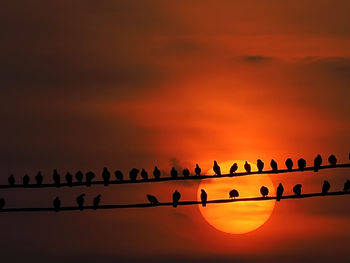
x: 122, y: 84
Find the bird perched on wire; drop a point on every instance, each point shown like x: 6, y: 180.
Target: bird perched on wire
x: 69, y: 179
x: 233, y: 168
x: 176, y: 198
x: 233, y: 194
x: 301, y: 164
x: 57, y: 204
x: 297, y: 189
x: 89, y: 176
x: 264, y: 191
x: 144, y: 174
x: 26, y: 179
x: 280, y: 190
x: 2, y: 203
x: 156, y: 172
x: 118, y: 175
x: 96, y: 202
x: 80, y: 201
x: 133, y: 174
x: 325, y: 188
x: 317, y: 163
x: 152, y: 199
x: 56, y: 178
x: 11, y: 179
x: 274, y: 165
x: 247, y: 167
x: 260, y: 164
x: 79, y: 176
x: 39, y: 178
x: 204, y: 197
x: 216, y: 168
x: 186, y: 172
x: 347, y: 186
x: 289, y: 164
x: 106, y: 176
x: 332, y: 160
x: 197, y: 170
x: 173, y: 173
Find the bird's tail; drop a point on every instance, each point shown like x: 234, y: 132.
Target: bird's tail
x: 204, y: 204
x: 175, y: 204
x: 278, y: 198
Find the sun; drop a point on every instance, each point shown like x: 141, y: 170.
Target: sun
x: 237, y: 217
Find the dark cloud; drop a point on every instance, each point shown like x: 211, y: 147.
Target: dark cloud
x: 257, y: 59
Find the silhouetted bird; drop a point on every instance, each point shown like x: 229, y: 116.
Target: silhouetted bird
x: 176, y: 198
x: 118, y: 175
x: 152, y: 199
x: 79, y: 176
x: 233, y: 168
x: 317, y: 162
x: 289, y: 164
x: 11, y: 179
x: 106, y: 176
x: 2, y: 203
x: 96, y: 202
x: 26, y: 179
x: 204, y: 197
x: 186, y: 172
x: 301, y: 164
x: 133, y: 174
x: 297, y: 189
x: 216, y: 168
x: 69, y: 179
x: 144, y: 174
x: 197, y: 170
x: 57, y: 204
x: 89, y: 176
x: 156, y: 172
x: 233, y: 194
x: 264, y: 191
x: 274, y: 165
x: 260, y: 164
x: 280, y: 190
x: 80, y: 201
x: 247, y: 167
x: 347, y: 186
x: 332, y: 160
x: 39, y: 178
x: 325, y: 188
x: 56, y: 178
x: 173, y: 173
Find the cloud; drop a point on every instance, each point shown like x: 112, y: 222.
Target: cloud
x: 257, y: 59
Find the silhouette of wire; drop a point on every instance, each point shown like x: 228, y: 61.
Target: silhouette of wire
x: 180, y: 203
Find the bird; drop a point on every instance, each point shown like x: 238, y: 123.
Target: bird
x: 289, y: 164
x: 133, y: 174
x: 173, y: 173
x: 79, y: 176
x: 332, y: 160
x: 233, y: 168
x: 69, y: 179
x: 156, y: 172
x: 144, y: 174
x: 297, y: 189
x: 26, y: 179
x: 106, y: 176
x: 197, y: 170
x: 247, y: 167
x: 80, y: 201
x: 152, y: 199
x: 186, y: 172
x: 274, y: 165
x: 56, y: 178
x: 233, y: 194
x: 39, y: 178
x: 264, y: 191
x: 317, y: 162
x: 176, y: 198
x: 89, y: 176
x: 118, y: 175
x: 280, y: 190
x: 204, y: 197
x: 301, y: 164
x: 96, y: 202
x: 2, y: 203
x: 57, y: 204
x: 11, y: 179
x: 216, y: 168
x: 347, y: 186
x: 325, y: 188
x: 260, y: 164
